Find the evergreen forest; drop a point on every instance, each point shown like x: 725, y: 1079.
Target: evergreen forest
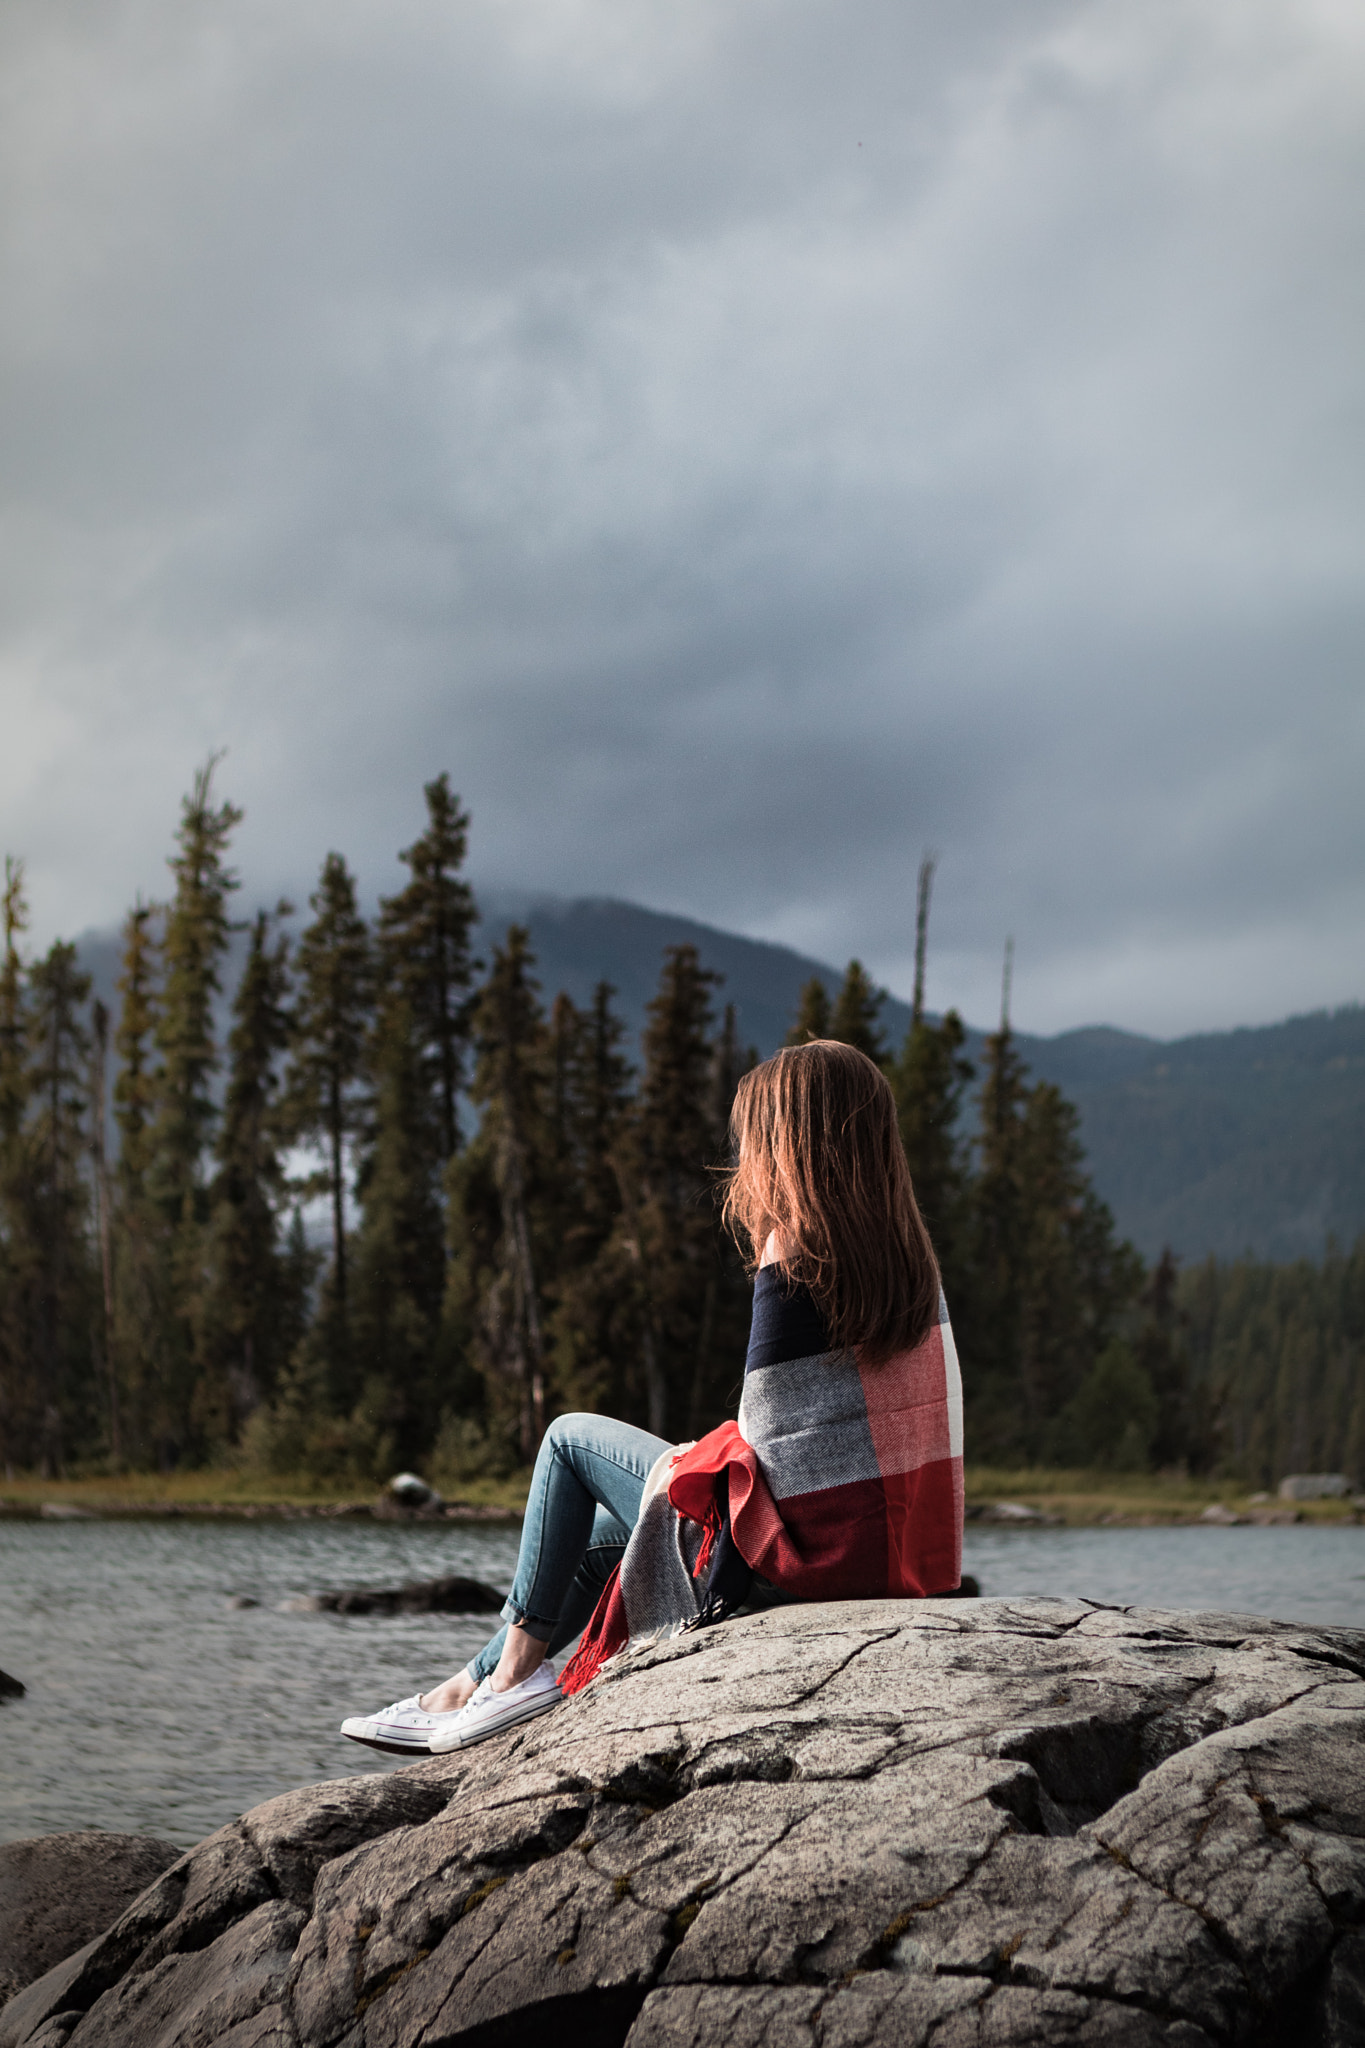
x: 386, y: 1203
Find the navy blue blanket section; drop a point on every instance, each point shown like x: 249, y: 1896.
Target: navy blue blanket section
x: 786, y: 1323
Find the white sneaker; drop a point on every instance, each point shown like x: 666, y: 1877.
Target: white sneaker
x: 489, y: 1712
x: 405, y: 1728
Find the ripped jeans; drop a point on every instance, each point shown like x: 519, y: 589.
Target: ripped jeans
x: 585, y: 1495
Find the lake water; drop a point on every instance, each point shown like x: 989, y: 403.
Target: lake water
x: 152, y: 1707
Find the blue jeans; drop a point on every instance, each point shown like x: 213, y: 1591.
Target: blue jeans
x: 585, y: 1495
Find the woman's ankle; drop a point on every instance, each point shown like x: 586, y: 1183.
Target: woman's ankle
x: 450, y: 1697
x: 506, y: 1684
x: 522, y: 1653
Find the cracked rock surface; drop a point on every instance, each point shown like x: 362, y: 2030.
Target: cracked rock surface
x: 959, y: 1823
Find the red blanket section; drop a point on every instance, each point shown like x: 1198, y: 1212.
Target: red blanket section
x: 897, y: 1536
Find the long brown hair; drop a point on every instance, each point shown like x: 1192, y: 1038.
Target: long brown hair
x: 819, y: 1159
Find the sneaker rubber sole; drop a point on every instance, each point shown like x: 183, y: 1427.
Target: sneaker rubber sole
x: 389, y: 1748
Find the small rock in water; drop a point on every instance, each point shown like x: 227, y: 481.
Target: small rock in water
x: 1010, y: 1511
x: 239, y: 1601
x: 65, y: 1511
x: 10, y: 1688
x: 411, y: 1492
x: 1221, y: 1517
x: 450, y: 1595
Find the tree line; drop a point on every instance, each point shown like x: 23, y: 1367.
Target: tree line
x: 519, y: 1220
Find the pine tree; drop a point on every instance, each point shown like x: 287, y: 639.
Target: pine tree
x: 592, y: 1329
x: 1276, y: 1365
x: 59, y: 1195
x: 1110, y: 1422
x: 194, y: 941
x: 567, y: 1170
x: 134, y: 1041
x: 498, y: 1197
x: 325, y: 1098
x: 45, y: 1254
x: 416, y: 1069
x: 988, y: 1312
x: 812, y: 1017
x: 857, y: 1008
x: 195, y: 937
x: 1161, y: 1353
x: 1076, y: 1281
x: 13, y: 1235
x: 729, y: 1062
x: 1050, y: 1283
x: 103, y: 1327
x: 399, y: 1253
x: 727, y: 1298
x: 670, y: 1222
x: 138, y: 1364
x: 930, y: 1080
x: 603, y: 1104
x: 424, y: 947
x: 250, y: 1316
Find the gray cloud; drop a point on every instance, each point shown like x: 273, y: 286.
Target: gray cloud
x: 744, y: 447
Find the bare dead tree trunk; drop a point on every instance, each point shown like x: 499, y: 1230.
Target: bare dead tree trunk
x: 922, y: 894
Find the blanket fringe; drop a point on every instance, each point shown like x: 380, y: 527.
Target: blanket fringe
x: 579, y: 1674
x: 711, y: 1529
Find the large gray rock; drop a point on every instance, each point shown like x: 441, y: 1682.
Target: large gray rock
x: 971, y: 1823
x: 56, y: 1891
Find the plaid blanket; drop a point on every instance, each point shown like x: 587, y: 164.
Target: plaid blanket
x: 840, y: 1481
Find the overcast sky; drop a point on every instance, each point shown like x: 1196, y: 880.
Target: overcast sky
x: 745, y: 442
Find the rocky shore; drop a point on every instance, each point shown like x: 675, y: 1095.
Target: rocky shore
x: 59, y: 1891
x: 950, y: 1822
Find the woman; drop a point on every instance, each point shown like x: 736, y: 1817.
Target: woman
x: 842, y: 1478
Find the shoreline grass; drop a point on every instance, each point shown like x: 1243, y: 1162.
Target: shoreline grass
x: 1081, y: 1499
x: 222, y: 1489
x: 1076, y: 1499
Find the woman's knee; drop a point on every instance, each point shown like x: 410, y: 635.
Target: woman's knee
x: 567, y: 1430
